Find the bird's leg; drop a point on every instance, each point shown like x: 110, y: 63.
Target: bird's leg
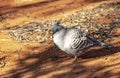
x: 75, y: 58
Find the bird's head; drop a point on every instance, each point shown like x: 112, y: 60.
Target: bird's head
x: 57, y: 27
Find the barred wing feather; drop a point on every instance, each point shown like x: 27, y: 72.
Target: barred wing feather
x: 79, y: 39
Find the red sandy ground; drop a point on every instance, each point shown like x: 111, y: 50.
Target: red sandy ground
x: 34, y: 60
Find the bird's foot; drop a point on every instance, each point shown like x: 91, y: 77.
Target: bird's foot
x: 74, y: 59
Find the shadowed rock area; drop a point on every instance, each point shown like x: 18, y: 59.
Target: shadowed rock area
x: 27, y: 49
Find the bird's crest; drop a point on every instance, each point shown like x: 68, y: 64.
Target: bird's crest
x: 58, y: 22
x: 57, y: 26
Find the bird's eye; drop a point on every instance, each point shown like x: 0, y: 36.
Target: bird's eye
x: 57, y: 29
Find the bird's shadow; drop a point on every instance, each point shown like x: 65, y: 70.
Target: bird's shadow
x: 52, y: 58
x: 101, y: 51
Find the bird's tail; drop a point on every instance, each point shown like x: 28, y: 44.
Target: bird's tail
x: 102, y: 44
x: 98, y: 43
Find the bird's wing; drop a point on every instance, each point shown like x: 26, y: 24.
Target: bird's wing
x: 79, y: 39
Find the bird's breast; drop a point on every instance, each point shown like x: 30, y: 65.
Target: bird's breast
x: 58, y: 39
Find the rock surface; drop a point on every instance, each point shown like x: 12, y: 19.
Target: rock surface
x: 90, y: 21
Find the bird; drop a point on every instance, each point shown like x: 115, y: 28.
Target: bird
x: 73, y: 40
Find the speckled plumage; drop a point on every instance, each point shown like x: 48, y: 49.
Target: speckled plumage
x: 73, y: 40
